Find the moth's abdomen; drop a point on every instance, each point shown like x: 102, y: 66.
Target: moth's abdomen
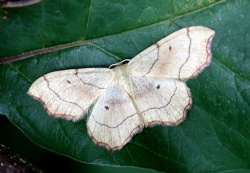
x: 122, y: 78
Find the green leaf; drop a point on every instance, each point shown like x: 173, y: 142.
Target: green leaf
x: 215, y: 137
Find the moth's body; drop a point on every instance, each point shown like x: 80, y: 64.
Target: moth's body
x: 149, y: 90
x: 122, y: 77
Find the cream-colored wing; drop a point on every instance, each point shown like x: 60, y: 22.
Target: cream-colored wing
x: 114, y: 119
x: 161, y: 101
x: 69, y: 93
x: 182, y: 54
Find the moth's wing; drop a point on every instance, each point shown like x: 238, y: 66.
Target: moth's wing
x: 69, y: 93
x: 161, y: 101
x: 114, y: 119
x: 182, y: 54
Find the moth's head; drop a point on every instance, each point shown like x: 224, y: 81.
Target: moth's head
x: 125, y: 61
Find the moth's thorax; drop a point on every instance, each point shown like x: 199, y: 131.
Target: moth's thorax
x: 122, y: 77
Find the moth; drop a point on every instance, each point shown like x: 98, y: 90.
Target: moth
x: 147, y: 91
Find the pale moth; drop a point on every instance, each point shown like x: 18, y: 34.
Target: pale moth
x: 146, y: 91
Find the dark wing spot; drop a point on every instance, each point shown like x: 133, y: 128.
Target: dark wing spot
x: 170, y: 48
x: 158, y: 86
x: 68, y: 81
x: 76, y: 72
x: 106, y: 107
